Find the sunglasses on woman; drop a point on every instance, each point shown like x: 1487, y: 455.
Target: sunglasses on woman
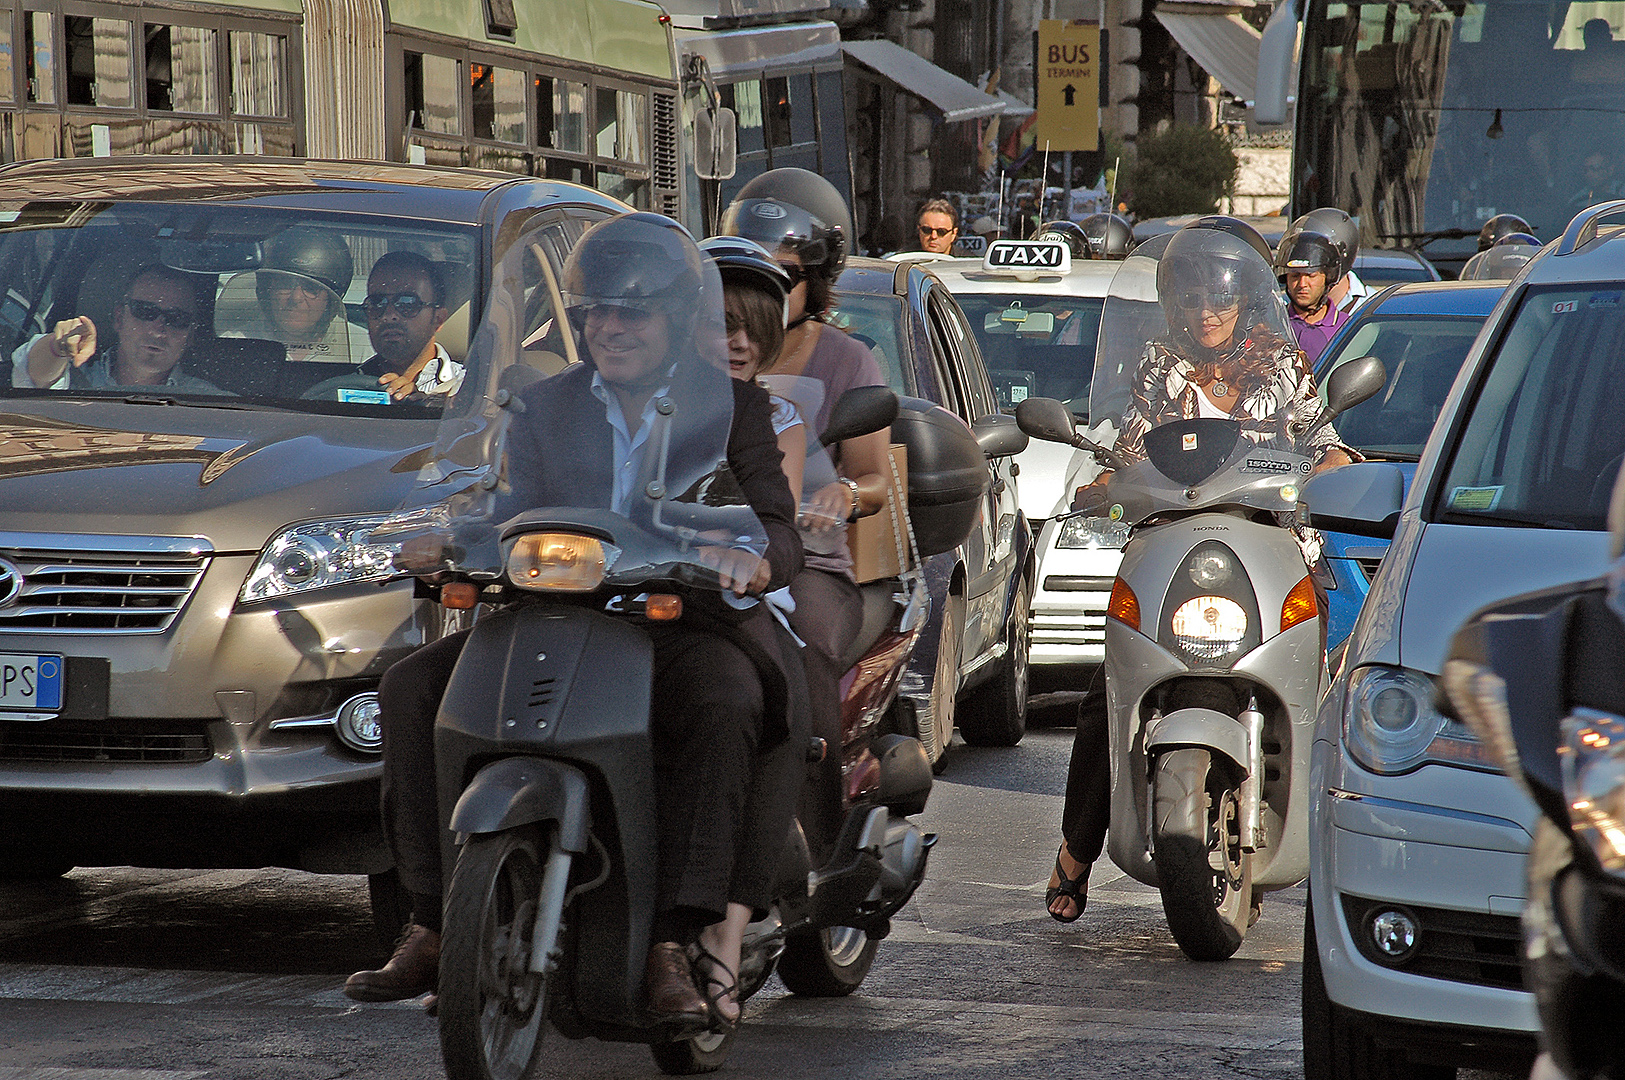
x: 1208, y: 301
x: 797, y: 272
x: 146, y: 311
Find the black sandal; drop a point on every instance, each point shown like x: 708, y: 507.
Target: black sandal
x: 1074, y: 888
x: 706, y: 965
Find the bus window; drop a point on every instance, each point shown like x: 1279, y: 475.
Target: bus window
x: 6, y: 73
x: 259, y: 65
x: 97, y: 62
x: 803, y: 124
x: 431, y: 93
x: 499, y: 103
x: 181, y: 71
x: 564, y: 126
x: 623, y: 125
x: 41, y: 52
x: 777, y: 111
x: 745, y: 99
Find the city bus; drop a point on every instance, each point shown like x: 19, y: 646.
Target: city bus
x: 599, y: 92
x: 1426, y: 118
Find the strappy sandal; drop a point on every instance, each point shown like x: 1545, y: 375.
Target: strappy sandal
x: 1074, y: 888
x: 706, y: 965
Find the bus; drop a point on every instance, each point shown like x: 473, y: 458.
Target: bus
x: 1425, y: 118
x: 599, y: 92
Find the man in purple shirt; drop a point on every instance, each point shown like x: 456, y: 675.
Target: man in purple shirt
x: 1311, y: 266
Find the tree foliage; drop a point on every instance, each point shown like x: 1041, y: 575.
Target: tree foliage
x: 1183, y: 170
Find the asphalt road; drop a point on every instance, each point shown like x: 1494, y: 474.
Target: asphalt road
x: 186, y: 975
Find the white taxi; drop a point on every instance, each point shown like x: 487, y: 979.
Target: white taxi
x: 1036, y: 313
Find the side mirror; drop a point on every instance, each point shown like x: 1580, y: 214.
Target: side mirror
x: 999, y: 435
x: 1277, y: 67
x: 716, y: 144
x: 862, y: 410
x: 1363, y: 498
x: 1354, y: 382
x: 1045, y: 418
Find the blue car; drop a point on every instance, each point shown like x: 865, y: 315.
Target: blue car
x: 1421, y: 331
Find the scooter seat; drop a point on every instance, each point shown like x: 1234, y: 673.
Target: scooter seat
x: 878, y: 609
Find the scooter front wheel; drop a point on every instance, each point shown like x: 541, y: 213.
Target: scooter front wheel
x: 703, y: 1053
x: 1204, y: 876
x: 492, y: 1006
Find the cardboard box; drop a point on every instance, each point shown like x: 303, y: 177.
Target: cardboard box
x: 876, y: 540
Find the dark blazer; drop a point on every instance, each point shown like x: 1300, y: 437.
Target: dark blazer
x: 559, y: 453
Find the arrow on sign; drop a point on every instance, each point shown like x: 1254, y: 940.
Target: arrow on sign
x: 1070, y: 92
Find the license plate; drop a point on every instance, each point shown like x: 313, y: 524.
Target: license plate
x: 30, y: 683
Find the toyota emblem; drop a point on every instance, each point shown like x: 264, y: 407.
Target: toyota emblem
x: 11, y: 583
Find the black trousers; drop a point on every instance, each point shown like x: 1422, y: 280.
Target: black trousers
x: 828, y: 615
x: 1087, y: 812
x: 706, y: 722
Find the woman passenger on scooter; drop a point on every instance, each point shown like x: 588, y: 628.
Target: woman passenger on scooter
x: 1227, y: 355
x: 643, y: 304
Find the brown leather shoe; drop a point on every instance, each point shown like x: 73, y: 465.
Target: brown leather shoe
x: 413, y: 970
x: 668, y: 988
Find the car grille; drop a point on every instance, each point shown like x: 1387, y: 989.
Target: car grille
x: 100, y: 585
x: 1077, y: 629
x: 1461, y: 946
x: 143, y: 741
x: 1369, y: 567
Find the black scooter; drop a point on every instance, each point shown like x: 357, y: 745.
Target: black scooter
x: 1540, y: 678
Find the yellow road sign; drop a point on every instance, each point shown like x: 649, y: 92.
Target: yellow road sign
x: 1068, y: 85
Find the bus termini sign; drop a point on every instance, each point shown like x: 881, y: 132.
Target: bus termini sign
x: 1027, y: 257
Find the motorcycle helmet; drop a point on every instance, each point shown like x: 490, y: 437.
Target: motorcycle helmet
x: 1237, y: 228
x: 640, y: 261
x: 1336, y: 226
x: 1501, y: 225
x: 747, y: 263
x: 1109, y: 236
x: 1521, y: 239
x: 796, y: 210
x: 1206, y: 267
x: 1068, y: 233
x: 314, y: 254
x: 1307, y: 252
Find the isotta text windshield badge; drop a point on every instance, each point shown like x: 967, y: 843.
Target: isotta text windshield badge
x: 1189, y: 442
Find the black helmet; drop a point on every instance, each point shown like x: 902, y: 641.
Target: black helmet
x: 1109, y: 236
x: 1307, y: 252
x: 1500, y: 225
x: 1237, y: 228
x: 797, y: 210
x: 310, y: 253
x: 749, y: 263
x: 1068, y: 233
x: 1202, y: 263
x: 640, y: 260
x: 1333, y: 224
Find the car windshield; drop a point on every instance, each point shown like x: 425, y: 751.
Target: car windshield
x: 1546, y: 433
x: 877, y: 321
x: 1422, y: 355
x: 1036, y: 346
x: 235, y: 306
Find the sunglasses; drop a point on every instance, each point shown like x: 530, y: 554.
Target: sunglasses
x: 146, y: 311
x: 1208, y: 301
x: 928, y: 231
x: 407, y: 305
x: 633, y: 318
x: 303, y: 288
x: 797, y: 273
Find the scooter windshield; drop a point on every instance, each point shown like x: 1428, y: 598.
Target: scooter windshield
x: 1198, y: 369
x: 596, y: 403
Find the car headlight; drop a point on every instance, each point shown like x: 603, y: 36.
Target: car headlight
x: 1083, y: 531
x: 317, y: 555
x: 1390, y: 725
x: 1592, y: 757
x: 559, y: 562
x: 1208, y: 627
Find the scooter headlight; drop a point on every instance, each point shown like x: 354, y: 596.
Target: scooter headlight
x: 1592, y: 757
x: 559, y: 562
x: 1208, y: 627
x: 1390, y: 725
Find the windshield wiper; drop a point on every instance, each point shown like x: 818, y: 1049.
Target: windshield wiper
x: 1427, y: 238
x: 1477, y: 517
x: 1389, y: 455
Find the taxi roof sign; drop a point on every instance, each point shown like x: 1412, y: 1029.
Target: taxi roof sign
x: 1027, y: 258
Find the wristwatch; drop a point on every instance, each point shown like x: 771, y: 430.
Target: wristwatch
x: 852, y: 486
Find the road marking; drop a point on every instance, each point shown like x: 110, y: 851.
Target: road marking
x: 51, y: 1072
x: 143, y: 986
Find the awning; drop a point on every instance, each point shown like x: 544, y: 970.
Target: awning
x: 955, y: 98
x: 1014, y: 106
x: 1224, y: 45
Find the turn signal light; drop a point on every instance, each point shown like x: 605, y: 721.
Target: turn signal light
x: 558, y: 562
x: 1124, y: 605
x: 459, y: 595
x: 661, y: 607
x: 1300, y: 604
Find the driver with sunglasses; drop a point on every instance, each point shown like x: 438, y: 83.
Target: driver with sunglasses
x: 406, y: 307
x: 152, y: 325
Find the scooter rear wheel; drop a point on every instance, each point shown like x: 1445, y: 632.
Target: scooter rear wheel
x: 831, y: 962
x: 1204, y: 876
x: 492, y: 1006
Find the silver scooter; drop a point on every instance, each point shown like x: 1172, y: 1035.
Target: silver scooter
x: 1215, y: 637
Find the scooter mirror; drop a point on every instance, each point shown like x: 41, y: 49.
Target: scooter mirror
x: 1045, y: 418
x: 1354, y: 382
x: 862, y: 410
x: 999, y: 435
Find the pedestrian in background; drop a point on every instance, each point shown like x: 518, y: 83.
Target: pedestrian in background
x: 938, y: 226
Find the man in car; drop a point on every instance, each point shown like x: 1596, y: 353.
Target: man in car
x: 406, y: 306
x: 152, y: 325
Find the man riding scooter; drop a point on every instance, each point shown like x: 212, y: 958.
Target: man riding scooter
x: 636, y: 293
